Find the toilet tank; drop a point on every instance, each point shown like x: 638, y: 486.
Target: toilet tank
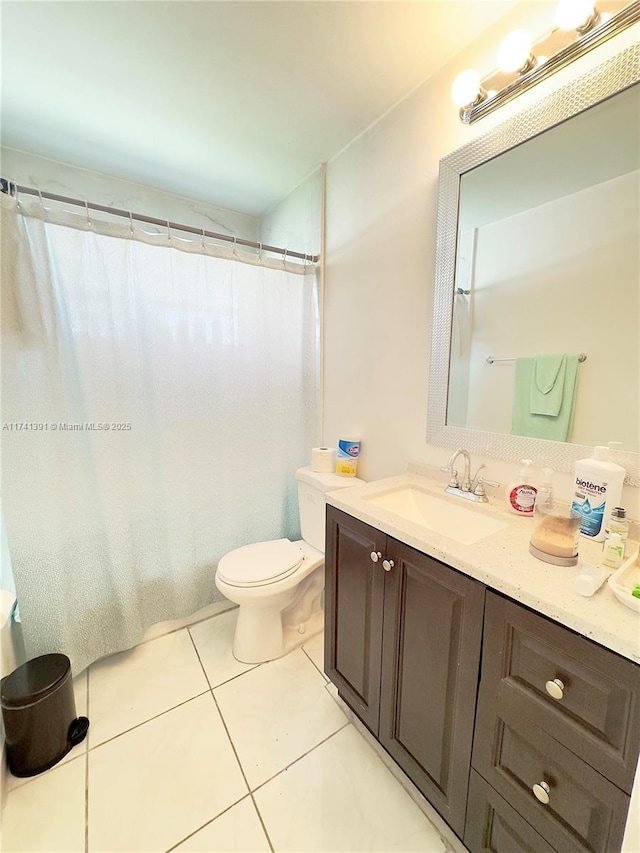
x: 312, y: 488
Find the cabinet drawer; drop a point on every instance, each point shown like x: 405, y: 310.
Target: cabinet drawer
x: 598, y: 714
x: 492, y: 826
x: 584, y: 812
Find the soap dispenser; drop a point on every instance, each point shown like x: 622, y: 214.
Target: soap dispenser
x: 521, y: 493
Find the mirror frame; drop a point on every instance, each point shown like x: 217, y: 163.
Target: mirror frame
x: 601, y: 82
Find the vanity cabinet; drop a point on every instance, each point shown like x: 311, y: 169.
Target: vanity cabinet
x: 523, y: 734
x: 557, y: 731
x: 403, y: 648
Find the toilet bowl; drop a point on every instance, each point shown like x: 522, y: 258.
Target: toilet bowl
x: 279, y: 584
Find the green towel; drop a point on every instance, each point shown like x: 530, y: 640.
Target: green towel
x: 547, y: 384
x: 524, y: 422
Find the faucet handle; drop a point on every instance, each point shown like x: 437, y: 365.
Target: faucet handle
x: 477, y: 481
x: 454, y: 483
x: 479, y: 488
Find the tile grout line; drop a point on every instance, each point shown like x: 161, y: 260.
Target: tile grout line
x: 215, y: 702
x: 196, y: 831
x: 262, y: 823
x: 144, y: 722
x: 246, y: 782
x: 315, y: 664
x: 300, y: 757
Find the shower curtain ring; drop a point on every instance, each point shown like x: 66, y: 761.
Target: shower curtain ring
x: 235, y: 247
x: 204, y: 248
x: 86, y: 210
x: 131, y: 223
x: 41, y: 201
x: 260, y: 252
x: 168, y: 231
x: 284, y: 259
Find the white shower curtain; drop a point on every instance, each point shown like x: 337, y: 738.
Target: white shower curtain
x: 156, y: 402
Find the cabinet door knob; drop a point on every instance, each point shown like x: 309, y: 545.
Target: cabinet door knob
x: 387, y: 565
x: 555, y: 688
x: 375, y: 556
x: 541, y: 791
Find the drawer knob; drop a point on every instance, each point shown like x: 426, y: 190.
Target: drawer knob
x: 542, y: 791
x: 375, y: 556
x: 387, y: 565
x: 555, y: 688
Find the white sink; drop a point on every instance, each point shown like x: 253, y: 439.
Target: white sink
x: 442, y: 516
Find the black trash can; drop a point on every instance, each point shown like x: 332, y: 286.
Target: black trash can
x: 39, y: 714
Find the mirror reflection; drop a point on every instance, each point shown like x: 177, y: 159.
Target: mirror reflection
x: 546, y: 318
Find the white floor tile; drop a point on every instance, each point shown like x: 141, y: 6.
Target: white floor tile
x: 214, y: 641
x: 315, y: 650
x: 341, y: 797
x: 47, y: 814
x: 129, y: 688
x: 236, y: 831
x: 277, y: 712
x: 153, y: 786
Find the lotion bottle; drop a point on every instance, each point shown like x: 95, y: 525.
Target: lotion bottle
x: 597, y: 488
x: 521, y: 493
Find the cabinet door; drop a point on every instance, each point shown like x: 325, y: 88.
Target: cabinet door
x: 432, y: 633
x: 354, y: 590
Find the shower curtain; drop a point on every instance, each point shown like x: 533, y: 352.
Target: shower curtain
x: 157, y: 397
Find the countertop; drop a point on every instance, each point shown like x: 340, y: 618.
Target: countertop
x: 502, y: 561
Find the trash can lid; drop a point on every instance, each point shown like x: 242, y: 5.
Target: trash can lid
x: 33, y: 680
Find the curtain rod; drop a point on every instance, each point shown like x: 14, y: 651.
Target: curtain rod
x: 10, y: 188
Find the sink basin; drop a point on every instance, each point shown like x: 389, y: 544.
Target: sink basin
x: 442, y: 516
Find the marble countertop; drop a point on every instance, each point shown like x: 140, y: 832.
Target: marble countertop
x: 502, y: 561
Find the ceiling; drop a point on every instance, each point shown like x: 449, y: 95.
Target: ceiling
x: 230, y: 102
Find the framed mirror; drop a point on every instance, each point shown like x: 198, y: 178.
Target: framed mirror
x: 535, y: 347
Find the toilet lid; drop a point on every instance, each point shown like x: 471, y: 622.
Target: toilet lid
x: 260, y: 563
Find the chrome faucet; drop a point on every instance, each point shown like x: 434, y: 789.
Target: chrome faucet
x: 472, y: 488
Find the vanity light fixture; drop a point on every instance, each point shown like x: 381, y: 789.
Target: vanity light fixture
x: 522, y: 62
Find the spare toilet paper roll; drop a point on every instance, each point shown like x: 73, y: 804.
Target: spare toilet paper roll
x: 323, y: 460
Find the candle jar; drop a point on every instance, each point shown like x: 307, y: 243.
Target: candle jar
x: 554, y: 538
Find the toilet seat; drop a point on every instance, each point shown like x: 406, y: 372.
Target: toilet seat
x: 260, y: 563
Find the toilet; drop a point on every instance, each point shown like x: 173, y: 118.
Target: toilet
x: 279, y: 584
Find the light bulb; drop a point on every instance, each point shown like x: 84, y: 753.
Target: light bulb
x: 466, y: 88
x: 515, y: 51
x: 572, y: 14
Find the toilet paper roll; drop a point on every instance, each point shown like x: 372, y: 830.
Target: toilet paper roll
x: 323, y: 460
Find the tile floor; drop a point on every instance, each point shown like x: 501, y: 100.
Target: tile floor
x: 189, y: 750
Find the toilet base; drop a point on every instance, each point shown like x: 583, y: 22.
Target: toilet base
x: 280, y: 643
x: 269, y: 628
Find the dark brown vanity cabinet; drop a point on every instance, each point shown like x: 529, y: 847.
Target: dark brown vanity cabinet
x: 530, y: 747
x: 557, y: 734
x: 402, y: 645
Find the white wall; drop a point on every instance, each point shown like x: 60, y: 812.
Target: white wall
x: 295, y: 222
x: 381, y: 234
x: 545, y: 277
x: 52, y: 176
